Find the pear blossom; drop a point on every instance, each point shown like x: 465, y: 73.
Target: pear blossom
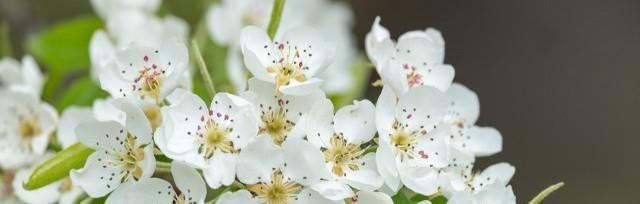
x: 281, y: 116
x: 290, y: 61
x: 22, y: 76
x: 334, y: 20
x: 106, y: 8
x: 156, y: 190
x: 25, y: 126
x: 369, y: 197
x: 411, y: 145
x: 207, y: 138
x: 465, y: 136
x: 488, y: 186
x: 291, y: 173
x: 343, y: 140
x: 124, y: 150
x: 417, y: 59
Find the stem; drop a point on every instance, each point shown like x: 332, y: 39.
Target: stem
x: 542, y: 195
x: 5, y: 41
x: 204, y: 72
x: 163, y: 166
x: 276, y: 14
x: 81, y: 198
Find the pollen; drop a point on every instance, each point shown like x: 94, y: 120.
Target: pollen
x: 278, y: 191
x: 342, y: 155
x: 275, y: 124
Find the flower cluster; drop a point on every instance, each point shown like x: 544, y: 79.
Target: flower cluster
x: 278, y: 138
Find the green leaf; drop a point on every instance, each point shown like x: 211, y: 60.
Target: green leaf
x: 401, y: 198
x: 419, y: 197
x: 438, y: 200
x: 58, y: 166
x: 82, y: 92
x: 65, y: 45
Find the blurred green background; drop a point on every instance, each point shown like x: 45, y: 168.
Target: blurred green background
x: 559, y: 79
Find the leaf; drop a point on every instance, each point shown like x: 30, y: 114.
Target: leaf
x: 58, y: 166
x: 82, y: 92
x: 438, y: 200
x: 65, y: 45
x: 401, y: 198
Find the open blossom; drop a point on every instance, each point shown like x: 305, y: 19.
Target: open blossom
x: 411, y: 146
x: 124, y: 150
x: 25, y: 126
x: 208, y: 138
x: 156, y: 190
x: 281, y: 116
x: 106, y: 8
x: 63, y: 191
x: 290, y: 61
x: 22, y: 76
x: 334, y: 20
x: 417, y: 59
x: 488, y: 186
x: 463, y: 112
x: 340, y: 139
x: 291, y: 173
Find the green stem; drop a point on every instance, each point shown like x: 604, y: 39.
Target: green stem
x: 542, y: 195
x: 80, y: 198
x: 163, y: 166
x: 204, y: 72
x: 5, y: 41
x: 276, y: 14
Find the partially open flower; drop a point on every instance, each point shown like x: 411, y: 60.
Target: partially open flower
x: 23, y: 77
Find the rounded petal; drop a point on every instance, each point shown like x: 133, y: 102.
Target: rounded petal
x: 439, y: 76
x: 241, y: 196
x: 101, y: 135
x: 303, y: 162
x: 464, y: 104
x: 421, y: 180
x: 181, y: 120
x: 422, y: 108
x: 257, y: 49
x: 46, y: 194
x: 386, y: 164
x: 253, y: 166
x: 484, y: 141
x: 188, y: 181
x: 151, y: 190
x: 366, y: 177
x: 301, y: 88
x: 333, y: 190
x: 302, y: 39
x: 393, y: 75
x: 98, y: 177
x: 416, y: 47
x: 319, y: 121
x: 136, y: 121
x: 221, y: 169
x: 101, y: 53
x: 232, y: 111
x: 500, y: 172
x: 309, y: 196
x: 356, y: 122
x: 370, y: 197
x: 385, y: 112
x: 71, y: 117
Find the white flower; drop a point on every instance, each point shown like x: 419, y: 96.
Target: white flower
x: 417, y: 59
x: 284, y: 174
x: 334, y: 20
x: 63, y: 191
x: 489, y: 186
x: 290, y: 61
x: 124, y: 150
x: 465, y: 136
x: 155, y: 190
x: 411, y: 146
x: 107, y: 8
x: 25, y: 77
x: 146, y: 74
x: 69, y: 120
x: 281, y: 116
x: 368, y: 197
x: 25, y: 126
x: 208, y: 138
x: 340, y: 139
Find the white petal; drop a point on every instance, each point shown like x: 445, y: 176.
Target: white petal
x: 236, y: 71
x: 318, y: 128
x: 303, y: 162
x: 421, y: 180
x: 152, y: 190
x: 241, y: 196
x: 101, y: 135
x: 136, y: 121
x: 373, y: 39
x: 101, y: 53
x: 69, y: 120
x: 46, y: 194
x: 189, y: 181
x: 32, y: 75
x: 236, y: 112
x: 439, y: 76
x: 98, y: 177
x: 104, y: 110
x: 256, y: 59
x: 308, y: 196
x: 422, y: 108
x: 485, y: 141
x: 301, y: 38
x: 221, y: 169
x: 366, y: 177
x: 333, y: 190
x: 356, y: 122
x: 368, y: 197
x: 500, y: 172
x: 181, y: 120
x: 385, y: 112
x: 393, y: 75
x: 253, y: 166
x: 386, y: 163
x: 301, y: 88
x: 417, y: 49
x: 464, y: 104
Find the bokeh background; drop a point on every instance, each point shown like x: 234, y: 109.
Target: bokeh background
x: 559, y: 78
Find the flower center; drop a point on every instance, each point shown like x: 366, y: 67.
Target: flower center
x: 288, y: 67
x: 129, y: 159
x: 148, y: 82
x: 404, y: 141
x: 276, y: 192
x: 29, y: 128
x: 276, y: 125
x: 342, y: 155
x: 413, y: 77
x: 215, y: 138
x: 153, y: 114
x: 65, y: 185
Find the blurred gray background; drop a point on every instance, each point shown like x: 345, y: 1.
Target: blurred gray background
x: 560, y: 79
